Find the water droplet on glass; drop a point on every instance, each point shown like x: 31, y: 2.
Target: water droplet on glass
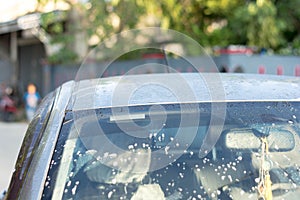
x: 181, y: 175
x: 230, y: 178
x: 69, y: 183
x: 167, y: 150
x: 74, y: 190
x: 109, y: 195
x: 130, y: 147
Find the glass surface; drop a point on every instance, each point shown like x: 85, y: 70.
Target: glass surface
x: 113, y: 158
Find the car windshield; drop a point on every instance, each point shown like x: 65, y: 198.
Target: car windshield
x: 155, y: 153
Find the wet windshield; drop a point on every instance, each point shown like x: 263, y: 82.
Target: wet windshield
x: 141, y: 156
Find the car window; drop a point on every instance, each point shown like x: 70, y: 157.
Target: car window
x: 256, y: 155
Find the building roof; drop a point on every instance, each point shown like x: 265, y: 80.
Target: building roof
x: 29, y: 21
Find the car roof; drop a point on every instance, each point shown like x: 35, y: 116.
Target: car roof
x: 146, y: 89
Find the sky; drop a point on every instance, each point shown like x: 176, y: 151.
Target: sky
x: 10, y: 9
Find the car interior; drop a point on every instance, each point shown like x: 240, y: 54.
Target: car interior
x: 244, y: 164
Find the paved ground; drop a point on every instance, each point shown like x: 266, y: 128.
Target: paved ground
x: 11, y: 138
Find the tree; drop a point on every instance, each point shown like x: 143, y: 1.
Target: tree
x: 263, y: 29
x: 270, y: 24
x: 57, y: 35
x: 85, y: 24
x: 104, y: 18
x: 291, y: 18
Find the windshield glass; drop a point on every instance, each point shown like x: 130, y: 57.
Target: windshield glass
x: 143, y: 156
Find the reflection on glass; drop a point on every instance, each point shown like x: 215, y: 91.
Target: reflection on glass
x: 251, y: 160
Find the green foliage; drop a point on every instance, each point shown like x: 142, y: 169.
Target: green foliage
x: 64, y: 56
x: 270, y: 24
x: 263, y: 29
x: 290, y: 17
x: 55, y: 26
x: 52, y: 18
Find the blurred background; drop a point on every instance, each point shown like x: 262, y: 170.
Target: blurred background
x: 44, y: 41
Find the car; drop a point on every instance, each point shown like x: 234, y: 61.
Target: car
x: 164, y: 136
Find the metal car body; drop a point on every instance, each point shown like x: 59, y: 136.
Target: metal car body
x: 69, y: 149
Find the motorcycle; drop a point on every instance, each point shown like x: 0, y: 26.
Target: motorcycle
x: 7, y: 107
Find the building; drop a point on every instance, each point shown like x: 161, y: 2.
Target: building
x: 23, y: 44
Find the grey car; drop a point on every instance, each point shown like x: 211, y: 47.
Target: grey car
x: 164, y: 136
